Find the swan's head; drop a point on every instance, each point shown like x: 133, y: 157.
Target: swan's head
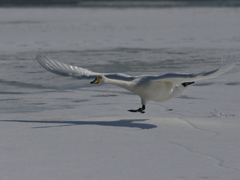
x: 100, y: 79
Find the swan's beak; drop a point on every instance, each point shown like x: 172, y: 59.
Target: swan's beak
x: 96, y: 80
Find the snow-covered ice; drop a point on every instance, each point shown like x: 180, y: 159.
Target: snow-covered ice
x: 59, y: 128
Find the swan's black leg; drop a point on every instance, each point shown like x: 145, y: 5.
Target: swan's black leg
x: 141, y: 110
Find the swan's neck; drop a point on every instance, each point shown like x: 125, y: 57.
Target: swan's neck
x: 123, y: 84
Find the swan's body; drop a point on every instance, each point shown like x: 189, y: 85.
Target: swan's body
x: 149, y: 88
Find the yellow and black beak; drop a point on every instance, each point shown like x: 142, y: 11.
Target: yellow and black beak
x: 96, y: 80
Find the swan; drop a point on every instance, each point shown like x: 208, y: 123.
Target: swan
x: 156, y: 88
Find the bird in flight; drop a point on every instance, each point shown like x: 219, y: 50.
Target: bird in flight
x: 156, y: 88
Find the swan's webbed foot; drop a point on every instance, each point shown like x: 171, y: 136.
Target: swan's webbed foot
x: 141, y: 110
x: 187, y: 83
x: 137, y: 110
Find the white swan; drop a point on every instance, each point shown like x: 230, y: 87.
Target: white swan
x: 149, y: 88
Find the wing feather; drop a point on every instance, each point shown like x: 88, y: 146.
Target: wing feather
x: 62, y: 69
x: 181, y: 78
x: 82, y: 73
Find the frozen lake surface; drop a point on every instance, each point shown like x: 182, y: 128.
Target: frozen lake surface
x: 59, y: 128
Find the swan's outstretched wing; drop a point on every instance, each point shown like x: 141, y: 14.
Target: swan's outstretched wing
x: 74, y: 71
x: 181, y: 78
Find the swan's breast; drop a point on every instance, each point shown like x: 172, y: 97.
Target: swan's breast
x: 154, y: 90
